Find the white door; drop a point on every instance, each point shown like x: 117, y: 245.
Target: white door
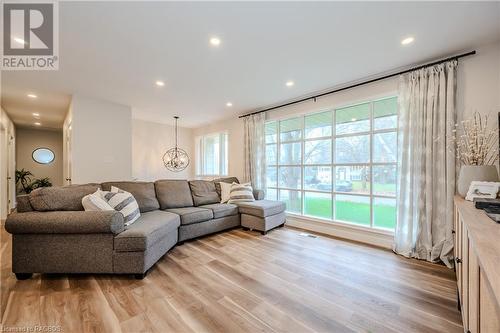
x: 11, y: 172
x: 4, y: 204
x: 67, y: 153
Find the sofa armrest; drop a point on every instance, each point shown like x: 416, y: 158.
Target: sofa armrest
x: 65, y: 222
x: 23, y: 203
x: 259, y: 194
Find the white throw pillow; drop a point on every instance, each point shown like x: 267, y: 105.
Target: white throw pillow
x: 225, y: 192
x: 95, y: 202
x: 125, y: 203
x: 241, y: 193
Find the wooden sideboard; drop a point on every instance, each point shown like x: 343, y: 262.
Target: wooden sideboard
x: 477, y: 262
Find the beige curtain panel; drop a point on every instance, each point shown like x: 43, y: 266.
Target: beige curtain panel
x: 255, y: 150
x: 426, y: 180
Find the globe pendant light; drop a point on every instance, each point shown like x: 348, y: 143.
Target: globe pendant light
x: 176, y: 159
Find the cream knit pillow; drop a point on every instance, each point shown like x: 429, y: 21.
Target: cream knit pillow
x: 225, y: 192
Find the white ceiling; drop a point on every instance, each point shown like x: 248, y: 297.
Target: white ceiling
x: 51, y: 106
x: 116, y: 51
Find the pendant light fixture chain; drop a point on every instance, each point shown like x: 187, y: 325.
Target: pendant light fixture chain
x: 175, y: 159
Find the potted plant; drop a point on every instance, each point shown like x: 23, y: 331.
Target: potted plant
x: 477, y: 151
x: 23, y: 178
x: 42, y: 182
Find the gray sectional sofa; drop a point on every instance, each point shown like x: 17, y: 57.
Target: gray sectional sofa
x: 53, y: 234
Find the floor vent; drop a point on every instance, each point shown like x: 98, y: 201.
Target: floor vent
x: 308, y: 235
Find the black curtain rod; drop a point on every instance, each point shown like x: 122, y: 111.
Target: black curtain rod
x: 362, y: 83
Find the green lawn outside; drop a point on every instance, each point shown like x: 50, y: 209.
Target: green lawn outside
x: 357, y: 186
x: 359, y: 213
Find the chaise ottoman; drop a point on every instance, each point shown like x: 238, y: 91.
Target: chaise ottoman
x: 262, y: 215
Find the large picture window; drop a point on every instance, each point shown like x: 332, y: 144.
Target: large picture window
x: 338, y: 164
x: 211, y: 152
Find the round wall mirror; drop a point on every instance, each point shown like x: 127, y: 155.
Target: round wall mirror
x: 43, y: 155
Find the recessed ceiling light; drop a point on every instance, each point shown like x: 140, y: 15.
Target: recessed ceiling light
x: 38, y: 124
x: 36, y: 114
x: 32, y: 96
x: 407, y: 41
x: 160, y: 83
x: 215, y: 41
x: 19, y: 40
x: 229, y: 104
x: 289, y: 83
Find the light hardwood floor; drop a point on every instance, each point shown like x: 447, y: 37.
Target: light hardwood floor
x: 240, y: 281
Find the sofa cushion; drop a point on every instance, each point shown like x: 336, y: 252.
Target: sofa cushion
x: 61, y: 198
x: 221, y: 210
x: 262, y: 208
x: 259, y: 194
x: 150, y: 228
x: 190, y: 215
x: 143, y: 192
x: 173, y: 193
x: 23, y: 203
x: 203, y: 192
x: 68, y: 222
x: 229, y: 180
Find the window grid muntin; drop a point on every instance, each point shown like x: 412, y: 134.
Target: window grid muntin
x: 333, y: 165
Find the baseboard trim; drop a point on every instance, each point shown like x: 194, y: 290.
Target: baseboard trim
x: 379, y: 238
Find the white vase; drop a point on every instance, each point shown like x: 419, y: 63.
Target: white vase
x: 469, y: 173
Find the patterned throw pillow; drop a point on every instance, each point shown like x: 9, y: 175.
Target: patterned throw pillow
x: 123, y: 202
x: 95, y: 202
x: 241, y: 193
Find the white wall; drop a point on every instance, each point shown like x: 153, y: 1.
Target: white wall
x: 234, y: 128
x: 478, y: 87
x: 27, y: 140
x: 149, y: 142
x: 101, y: 140
x: 67, y: 138
x: 7, y: 164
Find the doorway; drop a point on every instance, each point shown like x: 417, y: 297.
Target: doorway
x: 11, y: 172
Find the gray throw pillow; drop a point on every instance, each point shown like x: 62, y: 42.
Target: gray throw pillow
x: 173, y: 193
x: 143, y: 192
x: 203, y: 192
